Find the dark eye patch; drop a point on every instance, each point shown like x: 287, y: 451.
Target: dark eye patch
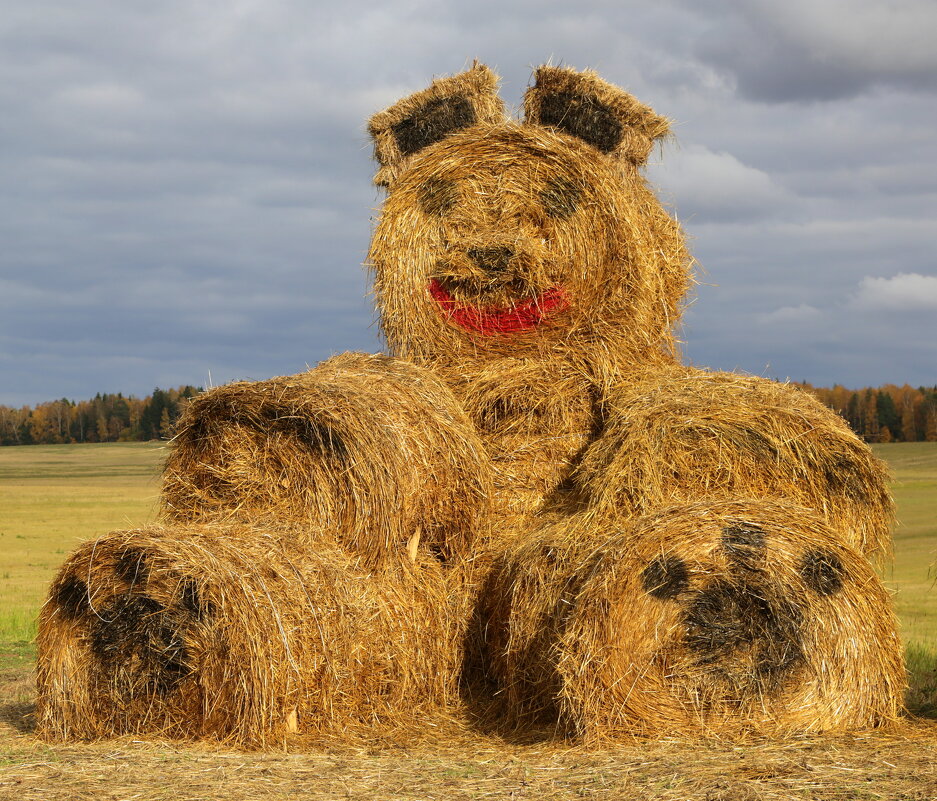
x: 437, y: 196
x: 560, y: 198
x: 822, y: 571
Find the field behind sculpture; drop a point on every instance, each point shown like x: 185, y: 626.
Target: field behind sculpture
x: 54, y: 497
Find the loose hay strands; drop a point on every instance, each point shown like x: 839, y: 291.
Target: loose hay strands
x: 677, y: 435
x: 538, y: 229
x: 371, y: 450
x: 729, y: 619
x: 239, y: 634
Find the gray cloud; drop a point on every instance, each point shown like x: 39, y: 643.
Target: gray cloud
x: 804, y: 50
x: 185, y: 188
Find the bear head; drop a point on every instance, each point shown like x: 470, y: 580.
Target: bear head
x: 534, y: 239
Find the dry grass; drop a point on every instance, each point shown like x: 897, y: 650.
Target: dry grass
x: 725, y: 618
x: 239, y: 634
x: 677, y: 435
x: 901, y: 764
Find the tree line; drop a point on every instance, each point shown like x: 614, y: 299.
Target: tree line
x: 885, y: 414
x: 105, y: 418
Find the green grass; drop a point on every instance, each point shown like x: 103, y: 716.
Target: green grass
x: 54, y: 497
x: 912, y: 574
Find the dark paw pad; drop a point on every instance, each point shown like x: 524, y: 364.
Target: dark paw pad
x: 666, y: 577
x: 132, y: 566
x: 822, y: 571
x: 136, y: 638
x: 744, y: 544
x: 71, y: 598
x: 192, y: 600
x: 730, y: 623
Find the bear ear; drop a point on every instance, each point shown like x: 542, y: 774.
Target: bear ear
x: 427, y: 117
x: 581, y: 104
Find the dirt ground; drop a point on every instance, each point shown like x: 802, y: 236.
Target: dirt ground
x: 459, y: 764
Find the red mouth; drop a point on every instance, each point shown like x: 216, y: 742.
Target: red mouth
x: 494, y: 320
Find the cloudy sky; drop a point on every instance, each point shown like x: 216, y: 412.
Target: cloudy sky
x: 185, y: 187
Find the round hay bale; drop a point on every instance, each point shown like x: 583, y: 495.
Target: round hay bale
x: 677, y: 435
x: 534, y: 418
x: 370, y: 451
x: 729, y: 619
x: 238, y: 634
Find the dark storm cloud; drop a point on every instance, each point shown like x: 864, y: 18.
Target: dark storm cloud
x: 185, y: 188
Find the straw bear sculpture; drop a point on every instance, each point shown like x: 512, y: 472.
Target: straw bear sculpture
x: 528, y: 514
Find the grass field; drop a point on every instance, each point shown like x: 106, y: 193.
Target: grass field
x: 53, y: 497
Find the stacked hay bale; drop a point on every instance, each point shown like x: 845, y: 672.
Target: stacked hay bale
x: 654, y: 570
x: 371, y: 451
x: 241, y: 634
x: 724, y: 618
x: 534, y: 419
x: 677, y: 434
x: 314, y: 573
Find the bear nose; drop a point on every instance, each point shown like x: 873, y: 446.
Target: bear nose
x: 493, y: 260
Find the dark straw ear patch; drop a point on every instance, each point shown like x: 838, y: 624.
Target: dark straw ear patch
x: 584, y: 117
x: 432, y: 123
x: 448, y: 105
x: 604, y: 116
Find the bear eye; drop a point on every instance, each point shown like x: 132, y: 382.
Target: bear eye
x: 560, y: 198
x: 437, y: 196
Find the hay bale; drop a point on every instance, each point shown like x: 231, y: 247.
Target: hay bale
x: 534, y: 418
x: 538, y: 239
x: 370, y: 451
x: 677, y: 435
x: 238, y: 634
x: 733, y: 618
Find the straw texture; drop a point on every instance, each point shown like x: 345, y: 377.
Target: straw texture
x: 238, y: 634
x: 678, y: 434
x: 534, y: 240
x: 728, y: 619
x: 534, y: 418
x: 530, y: 491
x: 371, y: 450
